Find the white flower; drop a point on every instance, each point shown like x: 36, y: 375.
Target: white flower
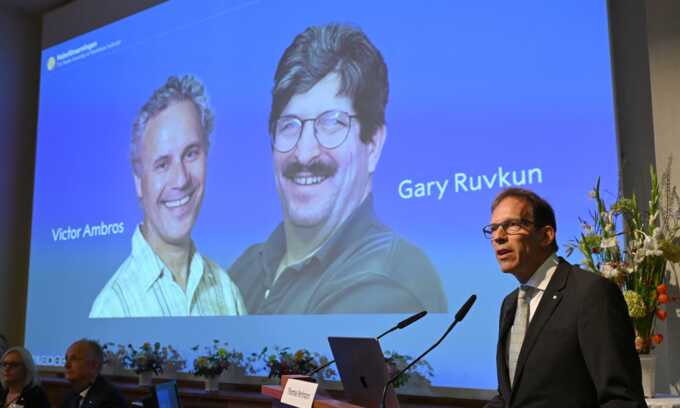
x: 627, y: 268
x: 605, y: 217
x: 650, y: 247
x: 653, y: 218
x: 650, y: 243
x: 608, y: 242
x: 658, y: 234
x: 609, y: 270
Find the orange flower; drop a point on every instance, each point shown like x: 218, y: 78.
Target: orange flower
x: 657, y: 338
x: 662, y: 289
x: 662, y: 299
x: 661, y: 314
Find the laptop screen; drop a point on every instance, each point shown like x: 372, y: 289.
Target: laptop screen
x: 166, y: 395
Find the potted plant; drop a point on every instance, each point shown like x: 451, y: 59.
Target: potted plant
x: 173, y: 361
x: 213, y: 362
x: 114, y: 358
x: 635, y: 256
x: 418, y: 376
x: 283, y: 361
x: 145, y: 361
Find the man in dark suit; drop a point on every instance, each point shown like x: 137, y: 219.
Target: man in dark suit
x: 565, y: 337
x: 90, y: 390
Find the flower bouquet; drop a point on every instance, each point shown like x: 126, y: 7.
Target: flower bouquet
x: 285, y: 362
x: 215, y: 360
x: 420, y: 374
x: 114, y: 357
x: 145, y: 361
x: 173, y: 361
x: 637, y: 256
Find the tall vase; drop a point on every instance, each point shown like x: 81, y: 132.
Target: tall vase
x: 648, y: 365
x: 212, y: 384
x: 145, y: 378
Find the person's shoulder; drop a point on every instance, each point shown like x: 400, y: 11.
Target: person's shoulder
x: 392, y: 249
x: 244, y: 263
x: 217, y: 272
x: 101, y: 384
x: 125, y: 276
x: 591, y: 283
x: 229, y: 287
x: 583, y: 276
x: 383, y: 255
x: 36, y: 396
x: 211, y: 265
x: 67, y: 398
x: 510, y: 297
x: 106, y: 395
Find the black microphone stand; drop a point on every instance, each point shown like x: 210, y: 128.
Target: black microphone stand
x: 459, y: 316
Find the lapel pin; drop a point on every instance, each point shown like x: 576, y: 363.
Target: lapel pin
x: 554, y: 296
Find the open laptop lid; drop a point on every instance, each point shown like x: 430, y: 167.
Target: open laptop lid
x: 166, y: 395
x: 362, y: 370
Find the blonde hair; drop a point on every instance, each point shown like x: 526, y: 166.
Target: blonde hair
x: 31, y: 373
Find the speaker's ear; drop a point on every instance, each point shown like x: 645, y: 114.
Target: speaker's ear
x: 548, y: 236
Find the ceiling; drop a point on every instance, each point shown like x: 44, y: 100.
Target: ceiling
x: 35, y: 7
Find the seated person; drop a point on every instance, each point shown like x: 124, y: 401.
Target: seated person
x: 84, y: 360
x: 20, y: 384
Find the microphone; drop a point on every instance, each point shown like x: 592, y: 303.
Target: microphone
x: 464, y: 309
x: 401, y: 325
x: 404, y: 323
x: 460, y: 315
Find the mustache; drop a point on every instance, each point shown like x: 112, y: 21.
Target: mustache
x: 317, y: 168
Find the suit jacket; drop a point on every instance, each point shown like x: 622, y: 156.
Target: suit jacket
x: 101, y: 395
x: 578, y: 350
x: 33, y: 396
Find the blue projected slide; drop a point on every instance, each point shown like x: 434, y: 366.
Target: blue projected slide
x: 274, y: 173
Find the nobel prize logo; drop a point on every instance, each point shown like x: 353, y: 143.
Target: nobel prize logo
x: 51, y: 63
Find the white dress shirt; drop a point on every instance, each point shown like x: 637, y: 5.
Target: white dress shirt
x: 539, y: 282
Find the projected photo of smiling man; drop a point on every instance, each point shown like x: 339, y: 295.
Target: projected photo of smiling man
x: 165, y: 275
x: 331, y: 254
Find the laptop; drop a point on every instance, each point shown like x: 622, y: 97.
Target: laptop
x: 164, y: 396
x: 363, y: 372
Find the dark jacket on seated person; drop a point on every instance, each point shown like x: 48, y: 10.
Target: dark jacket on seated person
x: 100, y: 395
x: 32, y: 396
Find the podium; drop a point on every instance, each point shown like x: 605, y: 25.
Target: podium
x: 320, y: 401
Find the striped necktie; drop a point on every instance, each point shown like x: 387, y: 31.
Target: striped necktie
x: 519, y: 329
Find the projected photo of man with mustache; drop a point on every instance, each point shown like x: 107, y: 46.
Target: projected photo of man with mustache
x: 331, y: 254
x: 165, y: 275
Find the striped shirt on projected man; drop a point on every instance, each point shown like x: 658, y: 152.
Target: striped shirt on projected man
x: 144, y: 287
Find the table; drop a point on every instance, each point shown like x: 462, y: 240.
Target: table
x: 663, y: 402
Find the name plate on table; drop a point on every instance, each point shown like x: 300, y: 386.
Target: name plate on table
x: 299, y: 393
